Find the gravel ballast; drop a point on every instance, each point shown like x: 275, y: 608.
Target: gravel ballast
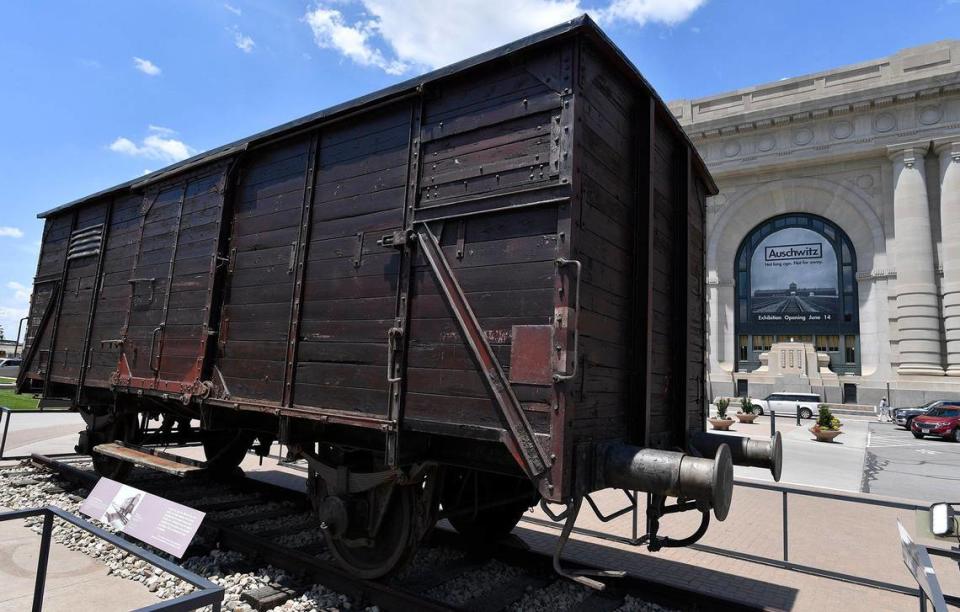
x: 27, y: 486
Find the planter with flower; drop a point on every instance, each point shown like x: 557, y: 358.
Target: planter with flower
x: 722, y: 421
x: 827, y: 426
x: 748, y: 411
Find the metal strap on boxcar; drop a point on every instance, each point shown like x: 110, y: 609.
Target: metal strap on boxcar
x: 572, y: 321
x: 520, y: 435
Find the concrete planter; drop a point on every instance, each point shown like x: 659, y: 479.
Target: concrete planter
x: 721, y: 424
x: 743, y: 417
x: 825, y: 435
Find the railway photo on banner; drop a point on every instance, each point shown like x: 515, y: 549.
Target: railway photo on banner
x: 794, y: 277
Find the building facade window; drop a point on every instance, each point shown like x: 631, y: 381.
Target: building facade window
x: 850, y: 349
x: 795, y: 281
x: 828, y: 344
x: 743, y: 346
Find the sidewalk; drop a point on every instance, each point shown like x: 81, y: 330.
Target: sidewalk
x: 838, y: 465
x: 74, y: 580
x: 842, y: 537
x: 45, y: 433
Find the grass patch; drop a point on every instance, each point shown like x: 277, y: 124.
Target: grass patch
x: 13, y: 401
x: 6, y: 380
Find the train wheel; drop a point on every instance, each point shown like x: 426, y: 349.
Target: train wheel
x: 466, y: 492
x: 225, y: 449
x: 123, y: 427
x: 386, y: 551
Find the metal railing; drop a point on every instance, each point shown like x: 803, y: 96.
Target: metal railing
x: 207, y: 593
x: 784, y: 561
x: 7, y: 413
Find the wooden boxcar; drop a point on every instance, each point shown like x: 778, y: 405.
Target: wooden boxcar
x: 490, y: 272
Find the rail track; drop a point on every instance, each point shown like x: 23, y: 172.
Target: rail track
x: 274, y: 525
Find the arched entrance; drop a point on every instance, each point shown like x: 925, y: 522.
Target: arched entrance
x: 795, y: 281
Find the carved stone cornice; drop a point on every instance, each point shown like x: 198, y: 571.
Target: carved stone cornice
x: 948, y: 147
x: 819, y: 112
x: 909, y: 154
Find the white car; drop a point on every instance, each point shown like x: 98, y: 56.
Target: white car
x: 786, y: 404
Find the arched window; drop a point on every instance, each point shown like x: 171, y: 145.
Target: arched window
x: 795, y: 278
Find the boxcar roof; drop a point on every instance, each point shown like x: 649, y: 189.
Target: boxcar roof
x: 581, y: 25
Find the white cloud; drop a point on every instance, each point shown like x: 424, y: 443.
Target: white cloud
x: 159, y: 144
x: 232, y: 9
x: 146, y: 66
x: 159, y: 129
x: 640, y: 12
x: 10, y: 232
x: 21, y: 293
x: 331, y: 31
x: 379, y: 33
x: 10, y: 317
x: 242, y: 41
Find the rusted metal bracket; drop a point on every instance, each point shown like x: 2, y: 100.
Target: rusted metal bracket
x: 520, y: 439
x: 358, y: 251
x: 133, y: 291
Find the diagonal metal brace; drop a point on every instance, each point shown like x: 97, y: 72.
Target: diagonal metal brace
x: 520, y: 439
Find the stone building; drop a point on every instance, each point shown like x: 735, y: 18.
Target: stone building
x: 833, y: 259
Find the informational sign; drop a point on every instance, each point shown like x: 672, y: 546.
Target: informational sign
x: 154, y: 520
x: 794, y: 279
x: 917, y: 560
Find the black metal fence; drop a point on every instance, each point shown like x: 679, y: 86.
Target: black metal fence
x: 6, y: 414
x: 636, y: 539
x: 207, y: 593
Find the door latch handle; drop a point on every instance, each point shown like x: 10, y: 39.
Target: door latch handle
x: 393, y: 334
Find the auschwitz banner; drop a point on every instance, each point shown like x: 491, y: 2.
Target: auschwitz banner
x: 794, y: 279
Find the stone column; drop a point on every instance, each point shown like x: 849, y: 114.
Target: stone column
x: 918, y: 309
x: 950, y: 223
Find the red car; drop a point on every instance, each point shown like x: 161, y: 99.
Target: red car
x: 943, y: 421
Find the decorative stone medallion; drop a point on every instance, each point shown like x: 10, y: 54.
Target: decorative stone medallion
x: 731, y: 148
x: 766, y: 142
x: 802, y: 136
x: 929, y: 115
x: 841, y: 129
x: 884, y: 122
x: 865, y: 181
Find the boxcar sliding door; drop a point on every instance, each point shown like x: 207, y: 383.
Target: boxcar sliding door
x: 165, y: 339
x: 313, y: 291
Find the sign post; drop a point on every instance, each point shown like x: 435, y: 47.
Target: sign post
x: 917, y: 560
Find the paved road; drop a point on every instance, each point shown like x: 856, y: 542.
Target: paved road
x: 897, y: 464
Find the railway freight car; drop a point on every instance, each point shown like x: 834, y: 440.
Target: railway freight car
x: 454, y: 297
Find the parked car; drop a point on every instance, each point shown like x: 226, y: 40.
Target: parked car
x: 904, y: 416
x: 942, y: 421
x: 786, y: 403
x: 9, y: 367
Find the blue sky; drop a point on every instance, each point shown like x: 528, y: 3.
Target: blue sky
x: 93, y: 94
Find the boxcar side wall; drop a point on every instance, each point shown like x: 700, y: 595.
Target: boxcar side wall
x: 329, y: 274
